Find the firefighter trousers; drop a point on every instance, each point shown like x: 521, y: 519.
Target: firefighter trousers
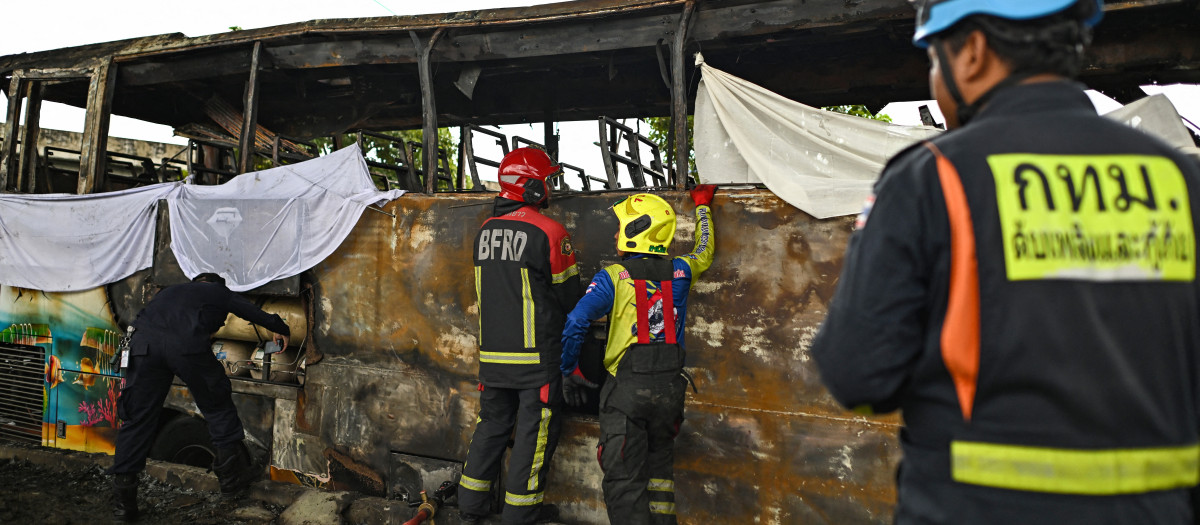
x: 533, y: 414
x: 639, y: 419
x: 147, y: 382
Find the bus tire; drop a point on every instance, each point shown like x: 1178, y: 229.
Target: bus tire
x: 184, y: 439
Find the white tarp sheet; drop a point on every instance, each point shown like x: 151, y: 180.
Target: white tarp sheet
x: 822, y: 162
x: 256, y: 228
x: 825, y: 163
x: 60, y: 242
x: 273, y: 223
x: 1157, y: 116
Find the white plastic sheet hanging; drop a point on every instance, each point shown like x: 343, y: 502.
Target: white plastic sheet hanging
x: 62, y: 243
x: 274, y: 223
x: 819, y: 161
x: 1157, y: 116
x: 256, y: 228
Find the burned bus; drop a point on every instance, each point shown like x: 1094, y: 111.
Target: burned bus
x: 378, y: 395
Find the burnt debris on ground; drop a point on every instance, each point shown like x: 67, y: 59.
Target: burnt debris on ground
x: 81, y: 495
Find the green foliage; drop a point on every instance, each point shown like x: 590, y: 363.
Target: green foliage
x: 858, y: 110
x: 235, y: 28
x: 392, y: 153
x: 660, y: 132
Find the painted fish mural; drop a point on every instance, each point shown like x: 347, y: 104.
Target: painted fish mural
x: 53, y: 372
x: 86, y: 375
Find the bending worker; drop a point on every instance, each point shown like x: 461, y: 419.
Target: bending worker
x: 526, y: 281
x: 641, y: 403
x: 1024, y: 290
x: 172, y: 337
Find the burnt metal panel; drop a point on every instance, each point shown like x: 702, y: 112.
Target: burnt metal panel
x: 181, y: 67
x: 128, y: 296
x: 397, y: 321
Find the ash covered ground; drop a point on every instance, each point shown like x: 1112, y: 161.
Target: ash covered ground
x: 30, y: 494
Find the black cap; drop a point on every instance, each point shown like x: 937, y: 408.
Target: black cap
x: 209, y: 278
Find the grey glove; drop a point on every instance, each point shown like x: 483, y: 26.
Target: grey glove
x: 575, y: 387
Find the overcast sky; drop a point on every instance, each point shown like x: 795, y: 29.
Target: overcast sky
x: 53, y: 24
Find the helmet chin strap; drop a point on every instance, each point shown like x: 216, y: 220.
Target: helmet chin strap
x: 965, y: 112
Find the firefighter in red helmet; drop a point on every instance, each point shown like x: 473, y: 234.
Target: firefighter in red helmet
x: 525, y: 177
x: 526, y: 281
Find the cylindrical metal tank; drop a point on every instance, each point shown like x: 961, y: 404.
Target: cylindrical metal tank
x: 290, y: 309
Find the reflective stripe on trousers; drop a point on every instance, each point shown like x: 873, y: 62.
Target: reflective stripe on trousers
x: 539, y: 451
x: 662, y: 496
x: 523, y: 500
x: 477, y: 485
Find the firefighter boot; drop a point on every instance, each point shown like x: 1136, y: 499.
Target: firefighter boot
x: 125, y: 497
x: 234, y: 469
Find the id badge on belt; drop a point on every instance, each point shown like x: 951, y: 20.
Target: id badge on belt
x: 123, y: 348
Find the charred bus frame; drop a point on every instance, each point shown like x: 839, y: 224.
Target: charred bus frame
x: 592, y: 59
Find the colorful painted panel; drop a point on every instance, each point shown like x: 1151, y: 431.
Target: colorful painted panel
x: 81, y: 384
x: 88, y: 422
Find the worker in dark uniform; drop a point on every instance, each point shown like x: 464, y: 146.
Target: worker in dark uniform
x: 526, y: 281
x: 172, y: 337
x: 641, y: 403
x: 1023, y: 288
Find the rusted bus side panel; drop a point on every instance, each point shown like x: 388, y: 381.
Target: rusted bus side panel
x: 397, y: 321
x: 785, y: 467
x: 763, y: 437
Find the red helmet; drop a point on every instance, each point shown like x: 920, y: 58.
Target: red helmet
x: 523, y: 174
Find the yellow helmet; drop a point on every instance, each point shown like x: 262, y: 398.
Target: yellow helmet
x: 647, y: 224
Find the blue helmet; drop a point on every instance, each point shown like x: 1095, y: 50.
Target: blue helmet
x: 935, y: 16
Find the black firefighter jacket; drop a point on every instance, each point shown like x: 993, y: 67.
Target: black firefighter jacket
x: 526, y: 281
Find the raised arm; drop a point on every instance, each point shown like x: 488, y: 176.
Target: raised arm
x: 701, y: 256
